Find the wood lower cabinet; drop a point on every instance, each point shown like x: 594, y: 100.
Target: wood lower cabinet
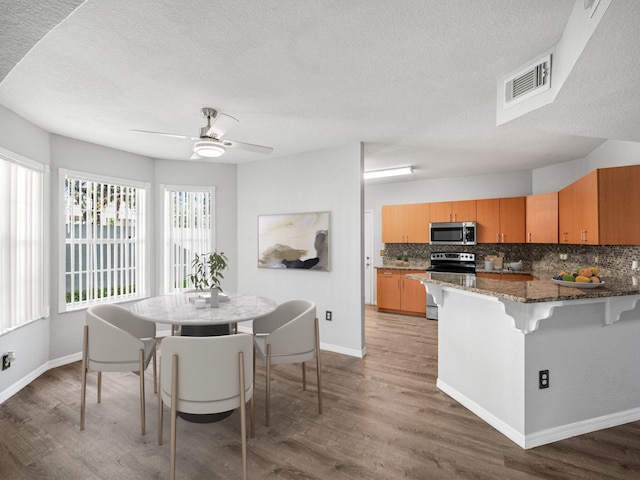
x: 388, y: 290
x: 398, y: 294
x: 542, y: 218
x: 405, y: 223
x: 501, y: 220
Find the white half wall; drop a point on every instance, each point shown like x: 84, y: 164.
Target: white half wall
x: 325, y: 180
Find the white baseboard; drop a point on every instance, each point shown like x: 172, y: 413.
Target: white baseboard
x: 352, y: 352
x: 508, y: 431
x: 547, y: 436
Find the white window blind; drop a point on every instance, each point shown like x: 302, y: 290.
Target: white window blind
x: 22, y: 272
x: 188, y: 221
x: 105, y: 241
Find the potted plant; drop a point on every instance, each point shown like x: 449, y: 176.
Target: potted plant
x: 207, y: 272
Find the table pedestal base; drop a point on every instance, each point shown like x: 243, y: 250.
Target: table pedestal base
x: 204, y: 330
x: 205, y: 417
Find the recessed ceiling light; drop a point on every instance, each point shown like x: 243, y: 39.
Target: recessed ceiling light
x: 388, y: 172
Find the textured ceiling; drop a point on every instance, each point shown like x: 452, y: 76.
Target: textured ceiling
x: 415, y: 80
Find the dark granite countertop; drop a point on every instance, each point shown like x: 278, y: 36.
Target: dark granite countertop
x: 543, y: 289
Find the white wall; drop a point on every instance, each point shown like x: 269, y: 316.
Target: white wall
x: 30, y: 342
x: 224, y: 178
x: 326, y: 180
x: 67, y: 153
x: 612, y: 153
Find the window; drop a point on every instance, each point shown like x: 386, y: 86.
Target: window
x: 22, y: 274
x: 188, y: 221
x: 104, y: 240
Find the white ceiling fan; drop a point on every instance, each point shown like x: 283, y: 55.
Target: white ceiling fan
x: 210, y: 143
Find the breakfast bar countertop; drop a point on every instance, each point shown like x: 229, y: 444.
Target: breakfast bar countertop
x: 542, y: 289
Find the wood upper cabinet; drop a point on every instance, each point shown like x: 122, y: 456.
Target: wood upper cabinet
x: 501, y: 220
x: 397, y: 293
x: 602, y: 208
x: 542, y: 218
x: 393, y: 224
x: 405, y: 223
x: 578, y: 211
x: 619, y: 198
x: 460, y: 211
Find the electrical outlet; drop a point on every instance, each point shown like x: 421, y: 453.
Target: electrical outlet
x: 563, y: 256
x: 7, y: 358
x: 328, y: 315
x: 543, y: 379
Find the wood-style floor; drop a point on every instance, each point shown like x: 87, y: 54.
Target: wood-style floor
x: 383, y: 418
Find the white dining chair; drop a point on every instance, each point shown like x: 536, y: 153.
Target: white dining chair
x: 204, y: 375
x: 116, y: 340
x: 290, y: 334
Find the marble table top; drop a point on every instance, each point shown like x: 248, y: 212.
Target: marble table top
x: 177, y: 309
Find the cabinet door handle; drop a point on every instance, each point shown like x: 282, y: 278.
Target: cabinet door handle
x: 503, y: 238
x: 455, y: 217
x: 387, y: 273
x: 529, y: 237
x: 497, y: 238
x: 566, y: 234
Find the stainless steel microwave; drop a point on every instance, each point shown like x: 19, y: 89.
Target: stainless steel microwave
x: 452, y: 233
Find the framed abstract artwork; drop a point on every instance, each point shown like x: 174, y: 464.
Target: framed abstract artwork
x: 294, y: 240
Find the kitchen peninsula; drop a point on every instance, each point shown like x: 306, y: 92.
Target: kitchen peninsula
x: 538, y: 361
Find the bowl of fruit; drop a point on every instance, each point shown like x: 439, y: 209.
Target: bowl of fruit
x: 586, y: 277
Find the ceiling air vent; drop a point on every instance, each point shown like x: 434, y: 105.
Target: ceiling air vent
x: 528, y: 82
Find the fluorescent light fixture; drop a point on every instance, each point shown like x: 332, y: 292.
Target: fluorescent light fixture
x: 389, y: 172
x: 208, y: 149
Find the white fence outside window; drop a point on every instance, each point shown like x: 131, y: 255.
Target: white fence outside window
x: 188, y: 229
x: 105, y: 240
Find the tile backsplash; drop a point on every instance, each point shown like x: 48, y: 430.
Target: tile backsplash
x: 611, y: 259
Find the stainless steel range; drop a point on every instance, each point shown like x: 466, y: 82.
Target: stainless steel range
x: 462, y: 264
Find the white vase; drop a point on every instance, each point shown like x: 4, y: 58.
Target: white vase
x: 214, y: 298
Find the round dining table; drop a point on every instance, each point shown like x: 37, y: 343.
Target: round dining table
x: 180, y: 309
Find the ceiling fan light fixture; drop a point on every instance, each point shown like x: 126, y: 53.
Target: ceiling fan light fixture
x: 388, y: 172
x: 208, y: 149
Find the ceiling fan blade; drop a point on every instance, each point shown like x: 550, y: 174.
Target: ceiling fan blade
x: 221, y: 124
x: 175, y: 135
x: 247, y: 146
x: 195, y: 156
